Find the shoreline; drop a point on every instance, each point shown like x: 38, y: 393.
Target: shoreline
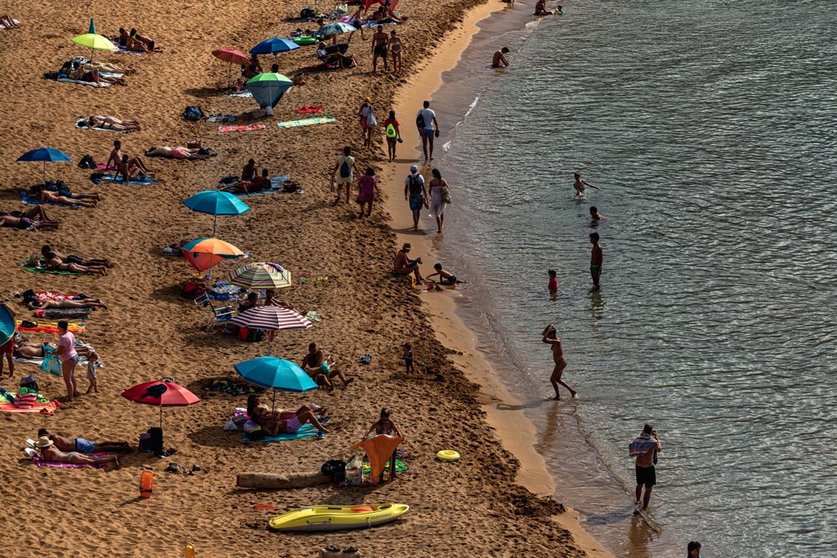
x: 512, y: 429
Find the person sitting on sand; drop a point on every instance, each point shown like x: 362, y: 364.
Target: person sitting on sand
x: 321, y: 369
x: 130, y: 169
x: 248, y: 173
x: 279, y: 421
x: 499, y: 59
x: 251, y: 302
x: 8, y: 22
x: 260, y: 183
x: 48, y: 452
x: 138, y: 43
x: 178, y: 152
x: 46, y: 196
x: 83, y: 445
x: 109, y: 123
x: 445, y: 277
x: 36, y: 213
x: 335, y: 59
x: 405, y: 266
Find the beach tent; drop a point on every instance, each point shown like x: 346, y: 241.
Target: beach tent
x: 268, y: 88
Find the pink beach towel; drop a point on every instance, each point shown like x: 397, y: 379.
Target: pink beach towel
x: 41, y: 408
x: 54, y: 296
x: 40, y: 463
x: 241, y: 128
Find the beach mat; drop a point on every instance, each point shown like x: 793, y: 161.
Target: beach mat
x: 111, y: 179
x: 276, y: 183
x: 80, y: 82
x: 305, y: 431
x: 240, y: 128
x: 221, y: 118
x: 307, y: 122
x: 400, y: 467
x: 33, y: 269
x: 241, y: 94
x: 39, y: 408
x: 40, y: 463
x: 48, y: 326
x: 28, y: 199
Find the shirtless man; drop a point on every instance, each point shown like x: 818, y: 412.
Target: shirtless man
x: 405, y: 266
x: 595, y: 216
x: 82, y: 445
x: 581, y: 184
x: 24, y: 223
x: 116, y: 156
x: 550, y: 336
x: 596, y: 258
x: 646, y: 474
x: 499, y: 59
x: 379, y: 48
x: 36, y: 213
x: 48, y: 251
x: 83, y: 200
x: 48, y: 452
x: 321, y: 369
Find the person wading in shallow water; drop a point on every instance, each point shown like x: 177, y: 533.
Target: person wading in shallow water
x: 645, y: 449
x: 550, y: 336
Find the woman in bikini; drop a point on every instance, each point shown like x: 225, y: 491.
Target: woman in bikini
x: 84, y: 200
x: 48, y: 304
x: 111, y: 123
x: 288, y: 422
x: 395, y: 47
x: 384, y: 425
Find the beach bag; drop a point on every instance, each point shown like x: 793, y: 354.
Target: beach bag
x: 445, y: 194
x: 308, y: 13
x: 345, y: 168
x: 420, y: 120
x: 87, y: 162
x: 371, y: 121
x: 354, y: 471
x: 336, y: 469
x: 391, y: 133
x: 193, y: 113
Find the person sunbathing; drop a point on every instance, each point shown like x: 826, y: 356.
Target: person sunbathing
x: 110, y: 123
x: 49, y: 304
x: 279, y: 421
x: 93, y: 76
x: 321, y: 369
x: 83, y: 445
x: 7, y: 21
x: 22, y: 223
x: 178, y: 152
x: 48, y: 251
x: 36, y: 213
x: 25, y: 348
x: 129, y: 169
x: 48, y: 452
x: 46, y: 196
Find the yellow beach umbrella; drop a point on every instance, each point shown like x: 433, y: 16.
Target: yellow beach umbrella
x: 94, y: 41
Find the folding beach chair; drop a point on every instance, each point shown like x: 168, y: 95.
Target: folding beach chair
x: 220, y: 315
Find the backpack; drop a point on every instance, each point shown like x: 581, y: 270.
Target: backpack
x: 308, y: 13
x: 391, y: 133
x: 415, y: 185
x: 336, y: 469
x: 345, y: 168
x: 420, y: 120
x: 87, y: 162
x: 193, y: 113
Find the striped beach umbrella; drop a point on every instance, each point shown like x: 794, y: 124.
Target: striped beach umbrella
x: 261, y: 275
x: 271, y: 318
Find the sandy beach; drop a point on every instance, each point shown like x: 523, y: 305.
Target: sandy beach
x: 472, y: 508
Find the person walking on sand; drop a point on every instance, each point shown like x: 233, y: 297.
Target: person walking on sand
x: 580, y: 185
x: 428, y: 128
x: 384, y: 425
x: 368, y: 190
x: 645, y: 448
x: 346, y: 166
x: 596, y: 258
x: 499, y: 59
x: 393, y: 133
x: 379, y: 48
x: 395, y: 48
x: 69, y: 358
x: 550, y: 336
x: 439, y: 198
x: 415, y: 192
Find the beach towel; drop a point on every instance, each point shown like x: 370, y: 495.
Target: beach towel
x: 41, y: 463
x: 400, y: 467
x: 46, y: 326
x: 305, y: 431
x: 641, y: 445
x: 3, y: 26
x: 307, y: 122
x: 309, y: 110
x: 40, y: 408
x: 276, y: 183
x: 80, y: 313
x: 121, y: 50
x: 80, y: 82
x: 55, y: 296
x: 83, y: 118
x: 36, y: 269
x: 138, y: 181
x: 242, y: 94
x: 240, y: 128
x: 28, y: 199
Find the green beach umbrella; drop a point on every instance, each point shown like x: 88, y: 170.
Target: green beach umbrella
x: 93, y: 41
x: 268, y: 88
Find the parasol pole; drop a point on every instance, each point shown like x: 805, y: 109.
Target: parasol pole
x: 214, y: 222
x: 161, y: 416
x: 273, y: 409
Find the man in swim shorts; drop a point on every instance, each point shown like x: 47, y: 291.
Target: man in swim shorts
x: 49, y: 452
x: 415, y: 192
x: 596, y: 258
x: 645, y: 449
x: 83, y: 445
x: 428, y: 128
x: 379, y: 48
x: 499, y: 60
x: 346, y: 166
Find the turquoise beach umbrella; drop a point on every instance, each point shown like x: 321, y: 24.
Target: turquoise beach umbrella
x: 216, y: 202
x: 275, y: 373
x: 7, y: 323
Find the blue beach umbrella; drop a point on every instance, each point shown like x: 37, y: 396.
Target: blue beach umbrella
x: 44, y: 155
x: 7, y: 323
x: 274, y: 46
x: 276, y: 374
x: 216, y: 202
x: 268, y: 88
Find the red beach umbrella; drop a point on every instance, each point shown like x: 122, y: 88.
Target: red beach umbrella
x: 162, y: 393
x: 232, y: 56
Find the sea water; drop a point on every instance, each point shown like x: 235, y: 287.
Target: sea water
x: 711, y: 128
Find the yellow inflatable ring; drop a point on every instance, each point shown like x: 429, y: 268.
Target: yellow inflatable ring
x: 448, y: 455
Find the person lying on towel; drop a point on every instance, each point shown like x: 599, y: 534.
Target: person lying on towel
x: 48, y: 452
x: 83, y: 445
x: 37, y: 214
x: 279, y: 421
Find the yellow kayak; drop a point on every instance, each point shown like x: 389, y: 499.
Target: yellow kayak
x: 334, y: 518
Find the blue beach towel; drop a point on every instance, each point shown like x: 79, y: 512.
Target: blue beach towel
x: 276, y: 183
x: 28, y: 199
x: 305, y: 431
x: 139, y: 181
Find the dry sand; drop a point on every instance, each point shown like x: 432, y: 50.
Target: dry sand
x: 473, y: 508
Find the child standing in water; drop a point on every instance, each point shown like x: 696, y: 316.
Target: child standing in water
x: 553, y: 284
x: 550, y: 336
